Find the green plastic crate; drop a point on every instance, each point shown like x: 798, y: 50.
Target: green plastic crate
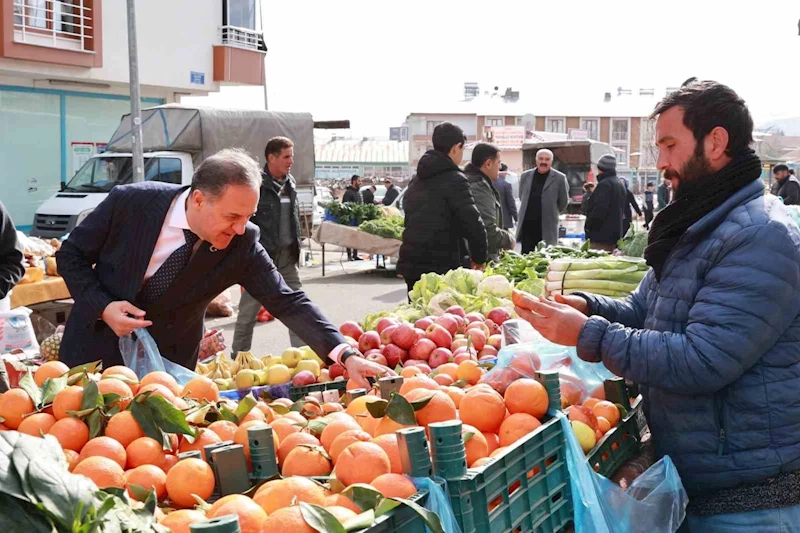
x: 298, y: 393
x: 401, y: 519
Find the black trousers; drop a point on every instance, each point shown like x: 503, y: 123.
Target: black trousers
x: 648, y: 217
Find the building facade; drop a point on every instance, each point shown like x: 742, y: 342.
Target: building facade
x: 339, y: 159
x: 64, y: 77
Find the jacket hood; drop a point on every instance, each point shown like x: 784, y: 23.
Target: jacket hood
x: 434, y: 163
x: 474, y: 174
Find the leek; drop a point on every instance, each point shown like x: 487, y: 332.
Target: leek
x: 601, y: 292
x: 630, y: 275
x: 591, y: 284
x: 610, y: 263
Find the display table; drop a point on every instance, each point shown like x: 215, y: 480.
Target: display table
x: 49, y: 289
x: 351, y: 237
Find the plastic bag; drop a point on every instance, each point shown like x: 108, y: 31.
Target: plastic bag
x: 654, y: 503
x: 517, y: 331
x: 16, y: 331
x: 140, y: 354
x: 438, y: 502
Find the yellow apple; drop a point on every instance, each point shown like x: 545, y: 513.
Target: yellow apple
x: 310, y: 365
x: 271, y: 360
x: 585, y: 434
x: 311, y: 355
x: 278, y: 375
x: 291, y: 357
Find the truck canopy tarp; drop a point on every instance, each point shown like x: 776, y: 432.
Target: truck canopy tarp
x: 205, y: 131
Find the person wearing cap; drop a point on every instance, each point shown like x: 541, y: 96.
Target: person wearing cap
x: 507, y: 203
x: 368, y: 194
x: 789, y: 187
x: 544, y: 195
x: 391, y: 192
x: 604, y: 210
x: 352, y: 194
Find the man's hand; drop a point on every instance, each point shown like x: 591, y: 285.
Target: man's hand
x: 557, y: 322
x: 476, y: 266
x: 576, y: 302
x: 123, y: 317
x: 359, y: 369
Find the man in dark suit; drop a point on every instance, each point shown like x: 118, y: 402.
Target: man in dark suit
x: 163, y: 252
x: 507, y: 202
x: 391, y: 192
x: 368, y: 194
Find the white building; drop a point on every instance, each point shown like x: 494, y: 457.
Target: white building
x: 64, y: 77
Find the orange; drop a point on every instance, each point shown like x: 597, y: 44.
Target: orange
x: 123, y: 428
x: 225, y: 429
x: 603, y: 425
x: 288, y: 520
x: 346, y: 439
x: 492, y: 441
x: 267, y: 410
x: 476, y: 446
x: 254, y: 414
x: 37, y: 425
x: 72, y: 459
x: 359, y: 405
x: 180, y: 521
x: 125, y: 374
x: 295, y: 417
x: 288, y: 444
x: 336, y: 428
x: 240, y: 437
x: 361, y: 463
x: 456, y: 395
x: 410, y: 371
x: 342, y: 514
x: 469, y: 371
x: 3, y: 428
x: 14, y: 404
x: 103, y: 471
x: 368, y: 424
x: 204, y: 438
x: 387, y: 426
x: 68, y: 399
x: 450, y: 369
x: 116, y: 386
x: 283, y: 427
x: 145, y: 451
x: 340, y: 500
x: 499, y: 451
x: 105, y: 447
x: 394, y: 486
x: 280, y: 493
x: 169, y: 462
x: 483, y: 408
x: 608, y: 411
x: 590, y: 403
x: 331, y: 407
x: 527, y: 396
x: 49, y: 370
x: 190, y: 476
x: 418, y: 382
x: 517, y: 426
x: 444, y: 380
x: 251, y: 515
x: 440, y: 408
x: 158, y: 390
x: 72, y: 434
x: 150, y: 477
x: 161, y: 378
x: 389, y: 444
x: 309, y: 461
x: 201, y: 388
x: 480, y: 462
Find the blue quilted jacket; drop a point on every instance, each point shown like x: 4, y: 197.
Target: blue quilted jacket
x: 715, y: 345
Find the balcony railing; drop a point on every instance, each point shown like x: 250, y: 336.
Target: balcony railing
x: 54, y: 24
x: 243, y: 38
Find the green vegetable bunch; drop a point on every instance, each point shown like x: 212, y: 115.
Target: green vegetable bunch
x: 350, y: 212
x: 389, y: 228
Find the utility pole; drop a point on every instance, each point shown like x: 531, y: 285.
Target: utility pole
x: 137, y: 145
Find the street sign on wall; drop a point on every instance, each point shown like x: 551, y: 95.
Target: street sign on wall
x: 506, y: 137
x: 398, y: 134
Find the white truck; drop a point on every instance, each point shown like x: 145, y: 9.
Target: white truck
x: 176, y: 139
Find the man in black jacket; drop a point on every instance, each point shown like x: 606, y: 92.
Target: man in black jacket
x: 11, y: 256
x: 440, y: 212
x: 664, y: 194
x: 507, y: 202
x: 368, y: 195
x: 789, y: 188
x: 391, y: 192
x: 648, y: 204
x: 630, y: 201
x: 278, y: 218
x: 352, y: 194
x: 588, y: 189
x: 604, y: 210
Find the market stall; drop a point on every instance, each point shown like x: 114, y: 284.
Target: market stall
x: 352, y: 237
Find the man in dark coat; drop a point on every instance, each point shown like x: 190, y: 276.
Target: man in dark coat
x: 789, y: 187
x: 368, y: 195
x: 648, y: 204
x: 391, y: 192
x: 544, y: 195
x: 588, y: 189
x: 630, y: 201
x: 664, y: 195
x: 604, y: 211
x: 352, y: 194
x: 440, y: 212
x: 11, y: 254
x: 507, y: 202
x: 153, y: 255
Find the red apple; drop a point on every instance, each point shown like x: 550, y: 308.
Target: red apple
x: 422, y: 349
x: 487, y: 351
x: 394, y: 355
x: 351, y: 329
x: 498, y: 315
x: 423, y: 323
x: 386, y: 334
x: 460, y: 358
x: 385, y: 322
x: 456, y: 310
x: 448, y: 322
x: 495, y: 341
x: 458, y: 343
x: 335, y: 370
x: 481, y: 326
x: 439, y: 335
x: 469, y: 351
x: 351, y: 341
x: 494, y: 329
x: 368, y: 341
x: 485, y: 358
x: 475, y: 317
x: 420, y: 333
x: 439, y: 357
x: 422, y: 365
x: 372, y: 351
x: 404, y: 336
x: 303, y: 378
x: 377, y: 357
x: 477, y: 338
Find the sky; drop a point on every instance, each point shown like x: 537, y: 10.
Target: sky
x: 374, y: 62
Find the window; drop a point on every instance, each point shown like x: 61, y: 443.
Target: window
x: 619, y: 130
x: 431, y: 125
x: 495, y: 121
x: 518, y: 121
x: 239, y: 13
x: 555, y: 125
x: 592, y: 127
x: 649, y: 150
x: 621, y: 153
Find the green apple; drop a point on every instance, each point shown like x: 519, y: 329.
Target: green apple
x: 310, y: 365
x: 291, y: 357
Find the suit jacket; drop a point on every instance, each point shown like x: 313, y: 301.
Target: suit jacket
x: 555, y: 197
x: 507, y: 202
x: 119, y: 237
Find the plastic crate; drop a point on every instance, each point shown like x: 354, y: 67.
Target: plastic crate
x: 298, y: 393
x: 622, y: 442
x: 401, y: 519
x: 524, y: 490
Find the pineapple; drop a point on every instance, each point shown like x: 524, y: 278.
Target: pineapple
x: 50, y: 347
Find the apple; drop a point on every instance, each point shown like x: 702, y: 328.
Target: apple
x: 303, y: 378
x: 372, y: 351
x: 456, y: 310
x: 351, y: 329
x: 475, y: 317
x: 404, y: 336
x: 351, y: 341
x: 291, y: 357
x: 368, y: 341
x: 338, y: 378
x: 422, y: 365
x: 376, y: 357
x: 477, y: 338
x: 448, y: 322
x: 439, y: 357
x: 460, y: 358
x: 423, y: 323
x: 394, y: 355
x: 498, y: 315
x: 495, y: 341
x: 459, y: 343
x: 480, y: 326
x: 494, y: 329
x: 386, y: 334
x: 324, y: 376
x: 310, y: 365
x: 488, y: 351
x: 485, y: 358
x: 385, y: 322
x: 439, y: 335
x: 470, y: 351
x: 422, y: 349
x: 335, y: 370
x: 420, y: 333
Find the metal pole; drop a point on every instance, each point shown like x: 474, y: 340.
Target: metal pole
x: 136, y: 100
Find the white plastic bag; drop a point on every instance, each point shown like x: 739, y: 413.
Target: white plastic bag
x: 16, y: 331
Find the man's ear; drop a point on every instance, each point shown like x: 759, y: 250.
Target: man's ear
x: 716, y: 143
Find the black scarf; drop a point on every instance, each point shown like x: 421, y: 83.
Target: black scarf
x: 688, y: 207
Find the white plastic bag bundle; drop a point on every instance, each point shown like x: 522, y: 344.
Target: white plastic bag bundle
x: 16, y: 331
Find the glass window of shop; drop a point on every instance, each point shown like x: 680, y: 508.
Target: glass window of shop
x: 30, y: 152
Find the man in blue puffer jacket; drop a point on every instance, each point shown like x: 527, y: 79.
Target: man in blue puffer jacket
x: 712, y: 334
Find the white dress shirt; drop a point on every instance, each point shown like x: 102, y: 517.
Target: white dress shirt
x: 171, y: 237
